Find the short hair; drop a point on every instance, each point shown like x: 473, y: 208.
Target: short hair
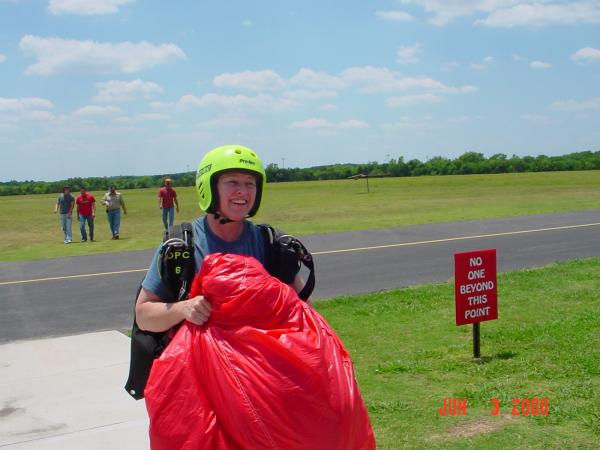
x: 82, y: 187
x: 112, y: 186
x: 66, y: 187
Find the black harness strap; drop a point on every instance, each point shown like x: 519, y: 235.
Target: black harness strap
x: 285, y: 255
x: 176, y: 267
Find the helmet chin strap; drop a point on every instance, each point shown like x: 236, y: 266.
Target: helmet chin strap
x: 223, y: 220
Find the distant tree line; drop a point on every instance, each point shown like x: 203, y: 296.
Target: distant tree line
x: 467, y: 163
x: 95, y: 183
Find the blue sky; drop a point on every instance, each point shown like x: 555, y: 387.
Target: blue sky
x: 116, y: 87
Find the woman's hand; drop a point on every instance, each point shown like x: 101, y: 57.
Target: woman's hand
x: 196, y: 310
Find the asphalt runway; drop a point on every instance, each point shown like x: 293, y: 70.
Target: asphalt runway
x: 93, y: 293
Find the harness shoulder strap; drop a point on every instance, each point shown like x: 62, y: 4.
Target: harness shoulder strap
x: 176, y: 264
x: 284, y: 256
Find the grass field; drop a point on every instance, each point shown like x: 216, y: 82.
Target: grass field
x: 409, y: 356
x: 30, y: 230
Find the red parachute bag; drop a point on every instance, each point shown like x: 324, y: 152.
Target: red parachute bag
x: 265, y: 372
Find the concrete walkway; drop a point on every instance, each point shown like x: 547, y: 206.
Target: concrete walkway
x: 67, y: 394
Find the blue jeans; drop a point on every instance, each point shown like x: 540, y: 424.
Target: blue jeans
x: 67, y: 226
x: 114, y: 221
x: 90, y: 222
x: 171, y: 213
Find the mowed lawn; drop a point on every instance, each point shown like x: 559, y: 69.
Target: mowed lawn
x: 30, y: 230
x: 409, y: 356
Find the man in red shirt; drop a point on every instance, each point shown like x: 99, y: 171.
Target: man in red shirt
x: 86, y: 211
x: 167, y: 197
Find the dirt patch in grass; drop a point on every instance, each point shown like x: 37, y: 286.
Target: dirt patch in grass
x: 474, y: 428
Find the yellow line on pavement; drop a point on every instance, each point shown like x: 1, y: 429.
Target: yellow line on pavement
x: 67, y: 277
x: 461, y: 238
x: 328, y: 252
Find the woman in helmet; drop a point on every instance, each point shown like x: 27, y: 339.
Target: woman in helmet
x: 230, y: 182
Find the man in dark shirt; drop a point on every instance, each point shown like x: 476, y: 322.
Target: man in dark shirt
x: 64, y: 204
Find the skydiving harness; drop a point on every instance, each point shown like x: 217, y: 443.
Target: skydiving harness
x: 284, y: 256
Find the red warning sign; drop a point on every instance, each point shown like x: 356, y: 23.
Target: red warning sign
x: 475, y: 287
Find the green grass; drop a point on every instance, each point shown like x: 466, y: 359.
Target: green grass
x: 409, y: 356
x: 30, y: 230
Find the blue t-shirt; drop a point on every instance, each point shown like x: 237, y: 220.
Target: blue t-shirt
x: 250, y: 243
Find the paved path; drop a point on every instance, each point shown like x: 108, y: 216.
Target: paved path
x: 93, y: 293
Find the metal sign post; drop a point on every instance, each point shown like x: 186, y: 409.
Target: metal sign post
x: 476, y: 348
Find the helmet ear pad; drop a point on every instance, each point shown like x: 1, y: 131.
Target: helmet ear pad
x: 214, y: 204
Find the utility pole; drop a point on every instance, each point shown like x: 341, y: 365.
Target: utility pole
x: 283, y: 163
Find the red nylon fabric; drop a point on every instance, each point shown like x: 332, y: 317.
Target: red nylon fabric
x: 265, y: 372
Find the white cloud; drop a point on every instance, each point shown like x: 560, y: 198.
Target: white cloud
x: 353, y: 124
x: 326, y: 124
x: 260, y: 103
x: 23, y: 104
x: 445, y: 11
x: 407, y: 123
x: 56, y: 55
x: 407, y: 54
x: 535, y: 118
x: 572, y: 105
x: 2, y: 58
x: 96, y: 111
x: 539, y: 65
x: 410, y: 100
x: 459, y: 119
x: 328, y: 107
x: 86, y: 7
x: 312, y: 123
x: 466, y: 89
x: 256, y: 81
x: 450, y: 66
x: 394, y: 16
x: 162, y: 106
x: 306, y: 95
x: 543, y: 14
x: 120, y: 91
x: 586, y: 55
x: 376, y: 79
x: 224, y: 121
x: 40, y: 116
x: 511, y: 13
x: 247, y: 23
x: 483, y: 64
x: 141, y: 118
x: 311, y: 79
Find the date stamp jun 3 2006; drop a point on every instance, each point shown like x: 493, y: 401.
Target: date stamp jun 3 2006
x: 520, y: 407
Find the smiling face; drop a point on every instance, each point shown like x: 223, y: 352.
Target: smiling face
x: 237, y: 192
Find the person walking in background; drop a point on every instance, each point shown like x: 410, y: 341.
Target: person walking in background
x: 167, y: 201
x: 113, y: 200
x: 65, y: 203
x: 86, y: 211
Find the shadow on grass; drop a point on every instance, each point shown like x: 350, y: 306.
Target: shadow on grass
x: 488, y: 359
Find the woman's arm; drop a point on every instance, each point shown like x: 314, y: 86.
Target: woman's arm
x: 152, y: 314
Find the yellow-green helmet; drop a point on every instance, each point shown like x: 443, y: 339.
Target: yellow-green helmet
x: 224, y: 159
